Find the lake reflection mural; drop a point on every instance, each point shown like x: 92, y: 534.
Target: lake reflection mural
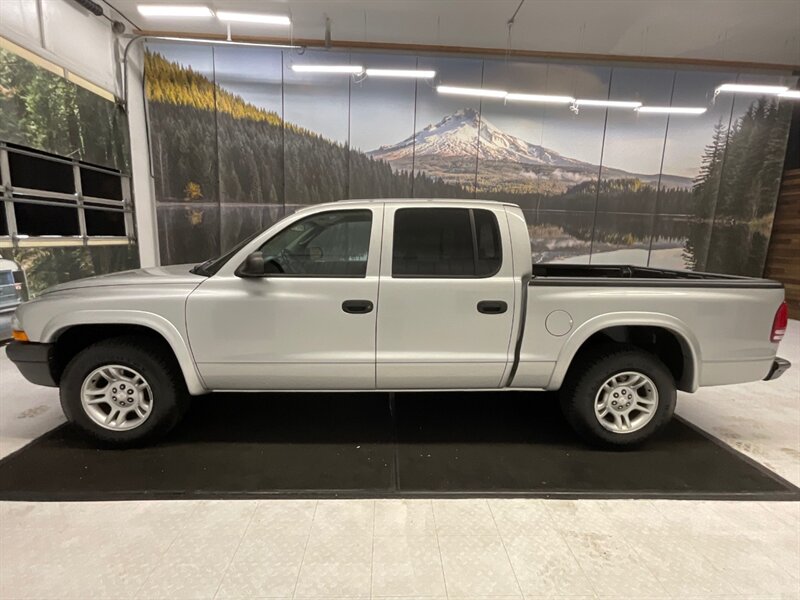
x: 240, y: 139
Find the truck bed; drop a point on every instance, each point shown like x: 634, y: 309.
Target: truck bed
x: 633, y: 276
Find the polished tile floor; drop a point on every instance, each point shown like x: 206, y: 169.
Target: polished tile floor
x: 476, y: 548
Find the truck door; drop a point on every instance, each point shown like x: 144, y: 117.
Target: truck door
x: 308, y: 323
x: 446, y: 297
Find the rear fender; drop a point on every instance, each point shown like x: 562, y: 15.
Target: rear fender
x: 689, y: 343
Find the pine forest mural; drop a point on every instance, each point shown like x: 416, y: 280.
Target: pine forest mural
x: 239, y: 140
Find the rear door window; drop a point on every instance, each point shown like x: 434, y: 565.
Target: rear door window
x: 445, y: 242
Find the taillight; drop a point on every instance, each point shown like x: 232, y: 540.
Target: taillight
x: 779, y: 323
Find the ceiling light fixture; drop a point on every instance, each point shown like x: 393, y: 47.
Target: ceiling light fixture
x: 463, y: 91
x: 746, y: 88
x: 171, y: 10
x: 215, y: 41
x: 349, y: 69
x: 241, y: 17
x: 672, y: 110
x: 410, y: 73
x: 607, y: 103
x: 793, y: 94
x: 540, y: 98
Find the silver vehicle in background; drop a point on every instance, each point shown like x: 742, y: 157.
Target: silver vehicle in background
x: 397, y: 295
x: 13, y: 292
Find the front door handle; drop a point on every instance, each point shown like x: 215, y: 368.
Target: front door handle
x: 357, y: 307
x: 492, y: 307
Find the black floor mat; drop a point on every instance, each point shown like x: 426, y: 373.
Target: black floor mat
x: 367, y: 445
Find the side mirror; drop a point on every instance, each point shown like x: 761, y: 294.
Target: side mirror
x: 253, y: 266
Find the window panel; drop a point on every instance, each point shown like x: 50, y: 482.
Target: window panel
x: 487, y: 234
x: 439, y: 242
x: 104, y: 222
x: 3, y: 220
x: 50, y: 206
x: 329, y: 244
x: 40, y: 174
x: 41, y: 219
x: 101, y: 185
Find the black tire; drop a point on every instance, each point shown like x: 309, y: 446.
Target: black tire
x: 154, y: 362
x: 587, y: 376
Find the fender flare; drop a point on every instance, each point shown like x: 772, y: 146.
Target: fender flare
x: 688, y: 341
x: 154, y: 322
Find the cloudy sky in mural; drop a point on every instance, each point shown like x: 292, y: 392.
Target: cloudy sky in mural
x: 382, y: 112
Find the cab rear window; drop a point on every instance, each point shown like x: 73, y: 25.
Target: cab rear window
x: 445, y: 242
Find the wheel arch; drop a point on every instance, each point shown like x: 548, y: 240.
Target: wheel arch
x: 660, y: 334
x: 78, y: 329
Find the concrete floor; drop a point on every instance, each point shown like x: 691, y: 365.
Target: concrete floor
x: 496, y: 548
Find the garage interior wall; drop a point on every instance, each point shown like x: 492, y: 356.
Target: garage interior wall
x: 58, y: 97
x: 238, y: 139
x: 783, y: 258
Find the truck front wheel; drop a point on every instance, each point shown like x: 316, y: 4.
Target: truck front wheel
x: 123, y: 391
x: 618, y: 396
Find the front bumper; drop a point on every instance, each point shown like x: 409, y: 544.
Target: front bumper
x: 34, y: 361
x: 778, y: 368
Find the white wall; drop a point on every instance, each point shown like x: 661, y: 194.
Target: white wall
x: 84, y: 44
x: 141, y: 178
x: 736, y: 30
x: 65, y: 34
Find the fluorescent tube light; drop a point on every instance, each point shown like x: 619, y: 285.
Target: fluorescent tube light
x: 746, y: 88
x: 241, y: 17
x: 540, y: 98
x: 216, y: 41
x: 462, y: 91
x: 411, y: 73
x: 350, y: 69
x: 672, y: 110
x: 793, y: 94
x: 608, y: 103
x: 171, y: 10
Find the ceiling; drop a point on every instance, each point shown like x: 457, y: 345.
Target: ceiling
x: 764, y: 31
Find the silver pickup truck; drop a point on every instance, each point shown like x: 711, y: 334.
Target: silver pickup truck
x: 396, y: 295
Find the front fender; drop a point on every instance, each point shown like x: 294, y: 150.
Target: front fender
x: 689, y: 342
x: 152, y: 321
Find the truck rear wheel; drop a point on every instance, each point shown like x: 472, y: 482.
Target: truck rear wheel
x: 123, y: 391
x: 618, y: 396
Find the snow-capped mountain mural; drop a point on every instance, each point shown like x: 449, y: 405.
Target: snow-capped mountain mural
x: 448, y: 150
x: 457, y: 135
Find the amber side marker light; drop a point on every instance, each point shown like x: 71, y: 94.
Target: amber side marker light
x: 19, y: 335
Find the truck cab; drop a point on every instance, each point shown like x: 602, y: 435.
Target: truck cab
x: 377, y: 295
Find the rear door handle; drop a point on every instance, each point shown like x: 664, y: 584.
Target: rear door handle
x: 357, y: 307
x: 492, y: 307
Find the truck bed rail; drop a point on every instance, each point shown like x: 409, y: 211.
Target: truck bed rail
x: 635, y: 276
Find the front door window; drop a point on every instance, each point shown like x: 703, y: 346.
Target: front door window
x: 329, y: 244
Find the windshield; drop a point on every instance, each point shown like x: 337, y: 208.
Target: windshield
x: 212, y: 265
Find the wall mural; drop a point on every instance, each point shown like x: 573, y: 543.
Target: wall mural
x: 42, y: 110
x: 239, y: 139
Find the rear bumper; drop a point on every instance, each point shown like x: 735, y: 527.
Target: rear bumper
x: 779, y: 367
x: 34, y: 361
